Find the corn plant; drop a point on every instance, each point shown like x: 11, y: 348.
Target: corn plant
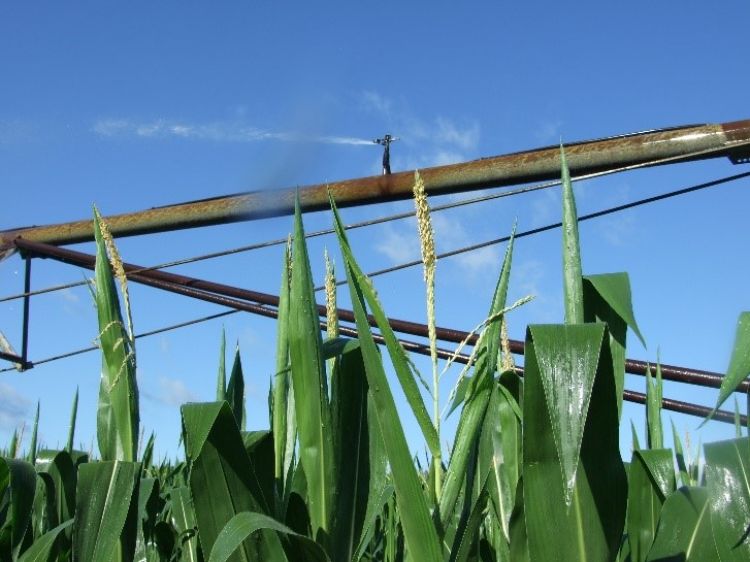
x: 534, y: 472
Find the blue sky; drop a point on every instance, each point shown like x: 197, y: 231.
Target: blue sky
x: 130, y: 107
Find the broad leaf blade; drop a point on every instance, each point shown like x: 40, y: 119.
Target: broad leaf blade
x: 360, y: 457
x: 684, y: 531
x: 728, y: 479
x: 18, y: 480
x: 118, y: 418
x: 310, y: 384
x: 607, y: 299
x: 236, y: 390
x: 222, y: 479
x: 183, y: 521
x: 243, y: 525
x: 44, y: 548
x: 567, y: 362
x: 419, y: 532
x: 395, y: 351
x: 651, y: 481
x: 590, y: 527
x: 572, y: 273
x: 104, y: 528
x: 739, y: 364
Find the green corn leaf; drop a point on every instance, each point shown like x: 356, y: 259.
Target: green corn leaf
x: 243, y: 525
x: 572, y: 273
x: 684, y: 531
x: 259, y: 447
x: 569, y: 375
x: 106, y: 510
x: 488, y: 353
x: 13, y: 445
x: 17, y: 491
x: 59, y: 469
x: 654, y: 394
x: 519, y: 542
x: 607, y: 299
x: 221, y: 376
x: 634, y: 437
x: 149, y: 506
x: 44, y: 549
x: 737, y: 422
x: 148, y: 452
x: 652, y: 479
x: 419, y: 532
x: 375, y: 507
x: 685, y: 478
x: 739, y: 364
x: 501, y: 439
x: 567, y: 360
x: 310, y: 384
x: 118, y: 416
x: 614, y: 290
x: 183, y: 521
x: 280, y: 423
x: 396, y: 352
x: 236, y: 390
x: 464, y: 445
x: 32, y: 446
x: 468, y: 527
x: 73, y: 415
x: 727, y: 470
x: 360, y: 454
x: 223, y: 481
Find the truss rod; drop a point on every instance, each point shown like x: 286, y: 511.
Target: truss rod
x: 522, y: 167
x: 244, y: 299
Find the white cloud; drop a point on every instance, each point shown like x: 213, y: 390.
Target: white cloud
x: 173, y: 392
x: 483, y: 260
x: 449, y: 133
x: 373, y: 101
x: 13, y: 406
x: 70, y: 296
x: 549, y: 131
x: 617, y: 230
x: 399, y: 244
x: 432, y: 142
x: 15, y: 131
x: 217, y: 131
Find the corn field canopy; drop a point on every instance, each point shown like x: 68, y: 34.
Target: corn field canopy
x: 534, y: 471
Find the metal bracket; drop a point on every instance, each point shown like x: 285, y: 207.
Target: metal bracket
x: 6, y: 349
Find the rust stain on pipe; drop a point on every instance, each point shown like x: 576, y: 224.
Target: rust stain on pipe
x: 521, y: 167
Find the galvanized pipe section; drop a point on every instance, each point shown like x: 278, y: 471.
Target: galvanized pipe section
x: 233, y: 296
x: 534, y: 165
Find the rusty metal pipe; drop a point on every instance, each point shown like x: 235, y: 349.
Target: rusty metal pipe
x: 533, y: 165
x: 234, y: 296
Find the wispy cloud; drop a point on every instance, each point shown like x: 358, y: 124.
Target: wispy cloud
x: 398, y: 244
x: 16, y: 131
x: 401, y: 244
x: 217, y: 131
x: 174, y: 392
x: 435, y: 141
x: 13, y: 406
x: 549, y: 131
x: 171, y: 392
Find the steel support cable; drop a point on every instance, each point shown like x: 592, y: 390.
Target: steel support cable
x: 394, y: 217
x: 257, y: 302
x: 415, y: 347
